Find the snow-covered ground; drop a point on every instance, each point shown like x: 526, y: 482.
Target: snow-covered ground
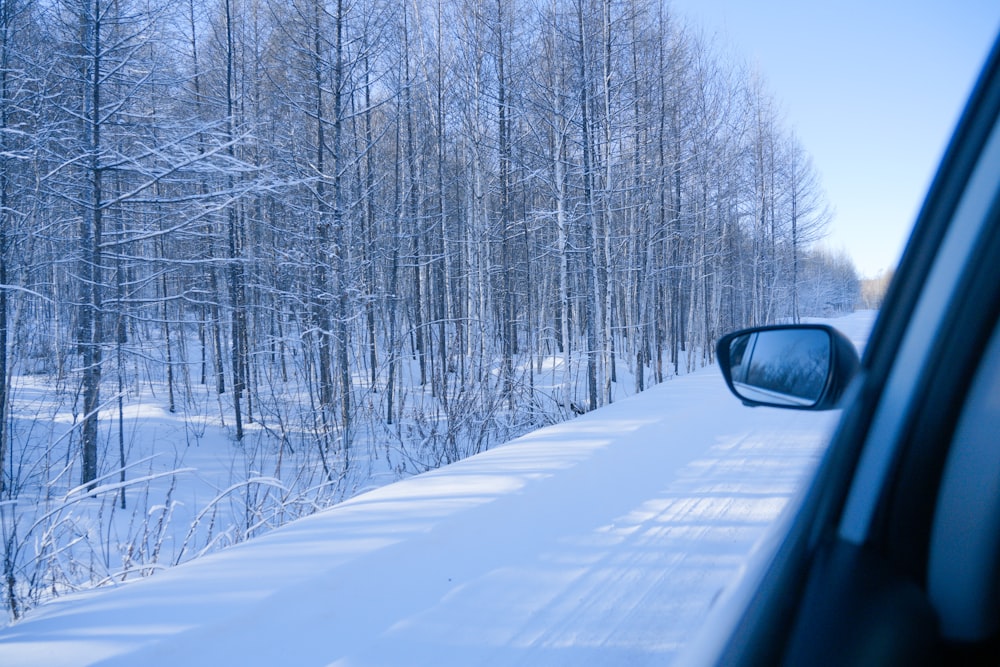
x: 604, y: 540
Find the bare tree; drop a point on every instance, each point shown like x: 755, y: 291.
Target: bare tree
x: 18, y: 85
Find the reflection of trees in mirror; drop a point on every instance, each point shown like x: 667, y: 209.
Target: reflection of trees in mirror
x: 736, y: 351
x: 790, y: 362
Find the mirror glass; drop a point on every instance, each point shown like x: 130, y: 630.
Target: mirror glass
x: 781, y: 366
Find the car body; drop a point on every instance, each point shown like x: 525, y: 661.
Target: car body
x: 892, y: 556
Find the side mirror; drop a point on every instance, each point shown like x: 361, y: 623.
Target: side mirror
x: 801, y: 366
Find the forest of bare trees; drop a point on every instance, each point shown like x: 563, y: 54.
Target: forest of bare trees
x: 360, y: 221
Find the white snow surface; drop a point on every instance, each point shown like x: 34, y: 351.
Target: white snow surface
x: 601, y: 541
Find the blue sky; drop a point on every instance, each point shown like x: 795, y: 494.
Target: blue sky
x: 872, y: 89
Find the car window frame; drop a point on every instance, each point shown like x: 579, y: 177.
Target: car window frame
x: 917, y: 385
x: 903, y: 518
x: 760, y: 611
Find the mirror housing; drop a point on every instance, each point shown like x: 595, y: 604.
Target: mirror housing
x: 797, y: 366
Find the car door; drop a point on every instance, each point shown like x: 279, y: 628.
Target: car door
x: 891, y: 558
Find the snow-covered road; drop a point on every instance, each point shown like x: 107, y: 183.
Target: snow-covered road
x: 600, y: 541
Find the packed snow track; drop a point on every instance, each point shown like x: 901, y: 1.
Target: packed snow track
x: 604, y: 540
